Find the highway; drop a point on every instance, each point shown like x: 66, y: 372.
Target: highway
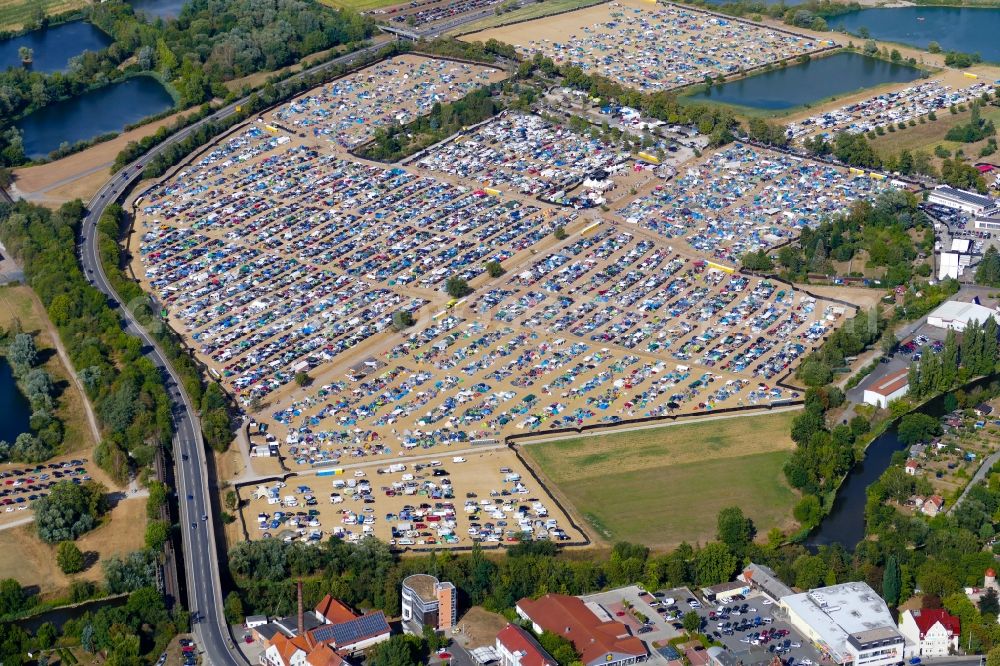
x: 201, y: 558
x: 197, y: 524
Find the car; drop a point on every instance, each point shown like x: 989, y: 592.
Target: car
x: 204, y: 516
x: 190, y: 497
x: 184, y: 456
x: 620, y: 613
x: 194, y: 526
x: 914, y: 661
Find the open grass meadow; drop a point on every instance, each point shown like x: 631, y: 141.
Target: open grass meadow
x: 927, y: 136
x: 662, y: 486
x: 532, y: 11
x: 14, y: 14
x: 359, y: 5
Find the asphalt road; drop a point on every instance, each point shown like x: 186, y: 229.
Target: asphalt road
x: 201, y: 558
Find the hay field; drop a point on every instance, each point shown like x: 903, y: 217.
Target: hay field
x: 661, y: 486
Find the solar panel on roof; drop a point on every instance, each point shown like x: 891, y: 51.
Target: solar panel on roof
x: 352, y: 631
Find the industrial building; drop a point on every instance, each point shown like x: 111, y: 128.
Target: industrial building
x: 956, y: 315
x: 891, y: 387
x: 963, y: 200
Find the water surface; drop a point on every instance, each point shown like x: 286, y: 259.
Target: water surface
x: 809, y: 82
x: 15, y: 410
x: 54, y: 46
x: 107, y: 109
x: 165, y: 9
x: 966, y: 29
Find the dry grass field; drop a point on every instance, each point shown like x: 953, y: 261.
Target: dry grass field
x: 15, y: 14
x: 661, y: 486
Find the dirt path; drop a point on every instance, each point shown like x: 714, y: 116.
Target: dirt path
x: 64, y: 357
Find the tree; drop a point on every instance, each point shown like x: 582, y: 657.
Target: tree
x: 397, y: 651
x: 302, y: 379
x: 757, y: 261
x: 11, y: 597
x: 157, y: 533
x: 494, y: 269
x: 68, y: 511
x: 993, y: 657
x: 26, y: 54
x: 891, y: 581
x: 233, y: 608
x: 402, y: 319
x: 989, y: 604
x: 22, y: 353
x: 691, y: 622
x: 457, y: 287
x: 69, y: 557
x: 917, y: 427
x: 808, y: 511
x: 560, y: 233
x: 559, y: 648
x: 715, y: 564
x: 734, y: 529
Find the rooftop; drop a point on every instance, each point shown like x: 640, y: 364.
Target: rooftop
x: 890, y: 383
x: 422, y: 585
x: 570, y: 618
x: 516, y: 639
x: 837, y: 612
x: 961, y: 311
x: 963, y: 195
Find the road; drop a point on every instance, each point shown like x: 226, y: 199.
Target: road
x: 201, y: 558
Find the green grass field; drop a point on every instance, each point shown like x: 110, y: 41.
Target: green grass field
x: 538, y: 10
x: 665, y: 485
x: 14, y: 14
x: 360, y: 5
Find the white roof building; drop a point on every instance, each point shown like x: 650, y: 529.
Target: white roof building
x: 969, y: 202
x: 957, y: 315
x: 849, y: 623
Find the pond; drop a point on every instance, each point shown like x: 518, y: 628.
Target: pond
x: 966, y: 29
x: 53, y: 47
x: 165, y: 9
x: 809, y: 82
x: 96, y: 112
x: 14, y: 406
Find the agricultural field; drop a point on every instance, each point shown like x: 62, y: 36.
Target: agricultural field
x: 15, y: 14
x: 630, y: 485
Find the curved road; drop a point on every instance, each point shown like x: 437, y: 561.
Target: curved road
x: 201, y: 559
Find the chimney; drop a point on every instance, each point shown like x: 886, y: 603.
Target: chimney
x: 301, y: 619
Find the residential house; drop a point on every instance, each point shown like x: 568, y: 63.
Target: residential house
x: 934, y: 632
x: 912, y: 467
x: 933, y: 505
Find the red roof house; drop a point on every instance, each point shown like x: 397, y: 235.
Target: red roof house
x: 519, y: 648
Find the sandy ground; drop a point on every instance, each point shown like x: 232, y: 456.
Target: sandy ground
x: 478, y: 628
x: 79, y: 175
x: 479, y: 474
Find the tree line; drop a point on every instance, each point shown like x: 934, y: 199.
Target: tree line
x: 46, y: 434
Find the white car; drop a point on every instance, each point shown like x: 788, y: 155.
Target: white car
x: 359, y: 473
x: 767, y: 602
x: 458, y: 459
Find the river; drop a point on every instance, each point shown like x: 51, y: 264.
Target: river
x: 808, y: 82
x: 846, y: 522
x: 966, y: 29
x: 14, y: 407
x: 96, y: 112
x: 53, y: 47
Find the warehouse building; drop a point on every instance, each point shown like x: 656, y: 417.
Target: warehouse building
x: 963, y: 200
x: 956, y: 315
x: 891, y: 387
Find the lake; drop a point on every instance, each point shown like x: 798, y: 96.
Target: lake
x: 165, y: 9
x: 96, y: 112
x: 14, y: 407
x: 808, y: 82
x: 54, y: 46
x: 965, y: 29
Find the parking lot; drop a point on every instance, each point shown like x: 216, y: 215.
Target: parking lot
x: 649, y: 46
x: 488, y: 496
x: 20, y: 484
x: 756, y: 632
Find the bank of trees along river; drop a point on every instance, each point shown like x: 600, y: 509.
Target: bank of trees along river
x: 210, y: 42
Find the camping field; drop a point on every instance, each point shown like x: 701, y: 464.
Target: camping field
x: 661, y: 486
